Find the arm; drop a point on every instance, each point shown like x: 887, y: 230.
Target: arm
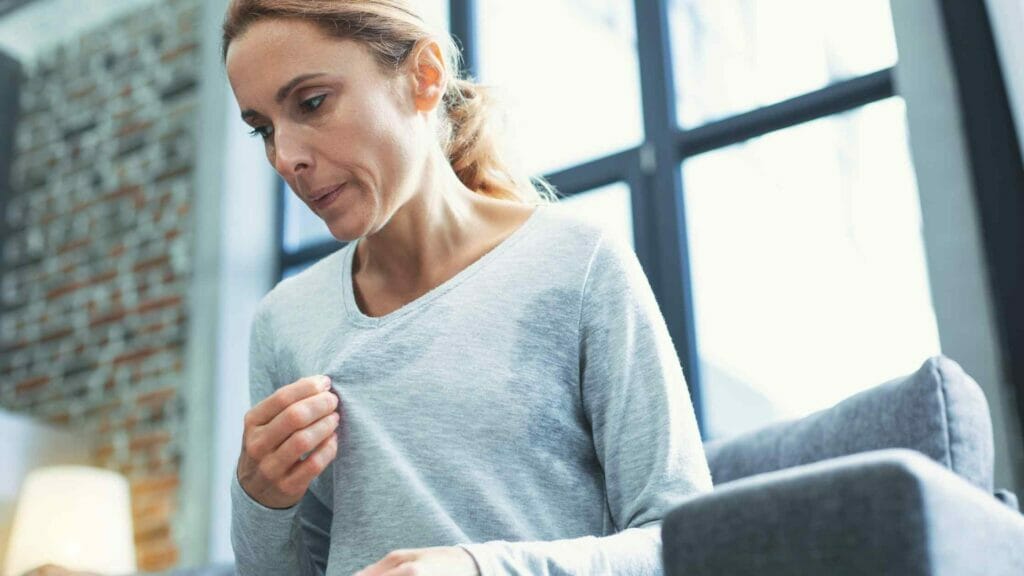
x: 269, y: 541
x: 644, y: 429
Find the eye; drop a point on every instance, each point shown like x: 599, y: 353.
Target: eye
x: 262, y: 131
x: 313, y: 103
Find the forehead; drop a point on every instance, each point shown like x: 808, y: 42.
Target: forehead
x: 272, y: 51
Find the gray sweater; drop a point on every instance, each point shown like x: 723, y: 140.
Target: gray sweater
x: 531, y: 409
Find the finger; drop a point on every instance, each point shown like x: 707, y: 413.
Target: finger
x: 298, y: 416
x: 299, y: 443
x: 264, y: 441
x: 271, y: 406
x: 406, y: 569
x: 390, y: 560
x: 302, y: 474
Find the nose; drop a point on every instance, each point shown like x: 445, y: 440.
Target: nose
x: 291, y: 155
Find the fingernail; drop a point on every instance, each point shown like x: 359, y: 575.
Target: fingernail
x: 325, y: 382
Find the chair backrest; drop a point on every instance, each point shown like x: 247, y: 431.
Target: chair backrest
x: 938, y: 410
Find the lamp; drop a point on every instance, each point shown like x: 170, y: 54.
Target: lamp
x: 77, y: 517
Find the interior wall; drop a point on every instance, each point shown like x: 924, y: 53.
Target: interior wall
x: 235, y: 258
x: 957, y: 268
x: 95, y: 252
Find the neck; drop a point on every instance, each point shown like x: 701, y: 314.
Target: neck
x: 424, y: 234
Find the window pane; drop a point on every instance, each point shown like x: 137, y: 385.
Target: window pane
x: 567, y: 74
x: 610, y: 207
x: 302, y: 227
x: 733, y: 56
x: 435, y: 12
x: 289, y: 272
x: 808, y: 267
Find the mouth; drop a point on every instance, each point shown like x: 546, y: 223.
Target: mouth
x: 324, y: 192
x: 326, y: 196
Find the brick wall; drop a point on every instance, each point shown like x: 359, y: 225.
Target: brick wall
x: 93, y: 304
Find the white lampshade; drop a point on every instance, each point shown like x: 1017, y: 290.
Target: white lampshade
x: 76, y: 517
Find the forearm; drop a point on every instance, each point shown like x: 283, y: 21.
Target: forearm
x: 633, y: 552
x: 267, y: 541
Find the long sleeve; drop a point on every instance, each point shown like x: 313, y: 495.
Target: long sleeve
x: 643, y: 425
x: 269, y: 541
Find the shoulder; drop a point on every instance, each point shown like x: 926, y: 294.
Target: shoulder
x: 594, y: 255
x: 303, y: 290
x: 566, y: 235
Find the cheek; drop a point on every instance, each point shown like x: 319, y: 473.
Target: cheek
x: 395, y: 144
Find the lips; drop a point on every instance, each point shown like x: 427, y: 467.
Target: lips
x: 320, y: 193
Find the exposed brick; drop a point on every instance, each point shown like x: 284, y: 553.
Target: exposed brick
x: 113, y: 316
x: 171, y: 174
x: 152, y: 530
x: 155, y: 511
x: 66, y: 289
x: 156, y: 556
x: 18, y: 345
x: 31, y: 384
x: 156, y: 397
x: 152, y: 263
x: 128, y: 424
x: 60, y: 418
x: 104, y: 451
x: 102, y: 409
x: 159, y: 303
x: 73, y: 245
x: 103, y: 185
x: 155, y: 485
x: 83, y: 92
x: 136, y: 355
x: 178, y: 52
x: 150, y: 440
x: 132, y: 128
x: 57, y: 335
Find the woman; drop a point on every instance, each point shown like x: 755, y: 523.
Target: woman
x: 476, y: 383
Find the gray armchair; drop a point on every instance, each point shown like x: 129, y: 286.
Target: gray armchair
x: 894, y: 480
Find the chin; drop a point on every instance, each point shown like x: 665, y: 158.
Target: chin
x: 344, y: 230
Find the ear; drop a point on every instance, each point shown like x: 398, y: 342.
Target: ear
x: 429, y: 74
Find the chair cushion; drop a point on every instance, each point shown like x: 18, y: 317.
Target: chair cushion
x: 938, y: 411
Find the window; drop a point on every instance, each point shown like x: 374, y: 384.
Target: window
x: 802, y: 247
x: 806, y: 257
x: 573, y: 92
x: 302, y: 227
x: 755, y: 156
x: 610, y: 207
x: 736, y: 55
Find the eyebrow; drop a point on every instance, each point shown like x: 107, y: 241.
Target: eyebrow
x: 283, y: 92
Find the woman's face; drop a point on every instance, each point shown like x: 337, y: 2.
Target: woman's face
x: 330, y: 117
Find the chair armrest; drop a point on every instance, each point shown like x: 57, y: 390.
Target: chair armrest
x: 883, y: 512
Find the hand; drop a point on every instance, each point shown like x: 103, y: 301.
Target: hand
x: 446, y: 561
x: 297, y: 419
x: 54, y: 570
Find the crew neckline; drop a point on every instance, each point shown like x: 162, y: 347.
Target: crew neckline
x: 357, y: 317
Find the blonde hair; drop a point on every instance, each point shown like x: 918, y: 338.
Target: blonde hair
x: 390, y: 29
